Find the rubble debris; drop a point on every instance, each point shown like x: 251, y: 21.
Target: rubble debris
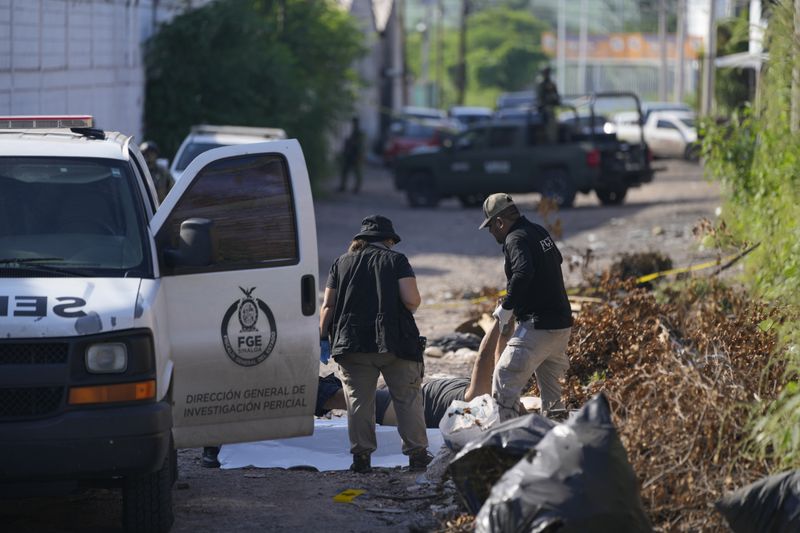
x: 453, y: 341
x: 638, y: 264
x: 681, y: 370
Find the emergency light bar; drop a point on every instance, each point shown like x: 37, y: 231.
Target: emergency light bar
x: 46, y: 122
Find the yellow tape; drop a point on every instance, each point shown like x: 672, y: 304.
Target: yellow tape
x: 641, y: 279
x: 347, y: 496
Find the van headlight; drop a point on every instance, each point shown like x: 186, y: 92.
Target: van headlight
x: 107, y: 358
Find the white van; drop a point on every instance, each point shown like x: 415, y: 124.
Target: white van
x: 129, y: 329
x: 207, y: 137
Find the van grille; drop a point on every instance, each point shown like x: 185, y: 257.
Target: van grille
x: 49, y: 353
x: 30, y: 401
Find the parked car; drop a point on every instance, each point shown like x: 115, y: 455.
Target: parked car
x: 206, y: 137
x: 466, y: 115
x: 410, y: 134
x: 516, y: 99
x: 651, y: 107
x: 667, y: 133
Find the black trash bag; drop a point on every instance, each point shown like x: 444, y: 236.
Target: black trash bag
x: 479, y: 465
x: 771, y: 504
x: 577, y: 479
x: 453, y: 341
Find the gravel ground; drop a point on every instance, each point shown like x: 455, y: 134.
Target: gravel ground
x: 451, y: 257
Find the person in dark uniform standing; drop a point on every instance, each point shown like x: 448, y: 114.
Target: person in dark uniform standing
x: 353, y: 157
x: 547, y: 99
x: 162, y: 179
x: 537, y: 299
x: 367, y: 313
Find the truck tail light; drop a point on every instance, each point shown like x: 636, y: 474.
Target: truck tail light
x: 122, y: 392
x: 593, y: 158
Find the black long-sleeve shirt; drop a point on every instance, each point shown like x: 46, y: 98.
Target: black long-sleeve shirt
x: 535, y: 283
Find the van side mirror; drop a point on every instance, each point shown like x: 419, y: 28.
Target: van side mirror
x: 196, y: 246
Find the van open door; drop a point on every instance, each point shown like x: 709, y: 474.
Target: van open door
x: 237, y: 252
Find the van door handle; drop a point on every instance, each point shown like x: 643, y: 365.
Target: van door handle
x: 308, y: 295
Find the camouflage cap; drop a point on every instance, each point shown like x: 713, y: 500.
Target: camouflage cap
x: 494, y: 205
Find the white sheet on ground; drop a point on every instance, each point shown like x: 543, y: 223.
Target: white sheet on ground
x: 327, y: 449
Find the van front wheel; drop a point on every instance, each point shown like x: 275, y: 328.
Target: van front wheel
x: 147, y: 499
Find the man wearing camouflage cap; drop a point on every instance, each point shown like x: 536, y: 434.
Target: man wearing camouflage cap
x: 537, y: 300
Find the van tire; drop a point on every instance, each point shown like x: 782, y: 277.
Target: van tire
x: 612, y: 195
x: 557, y: 184
x: 421, y: 191
x: 147, y: 499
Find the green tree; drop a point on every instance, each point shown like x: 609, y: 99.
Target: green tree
x: 277, y: 63
x: 503, y: 54
x: 732, y: 87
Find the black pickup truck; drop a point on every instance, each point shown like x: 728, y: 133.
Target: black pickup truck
x: 519, y: 155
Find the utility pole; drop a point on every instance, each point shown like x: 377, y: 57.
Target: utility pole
x: 708, y: 60
x: 680, y: 43
x: 561, y: 50
x: 462, y: 53
x: 440, y: 54
x: 662, y: 48
x: 583, y: 39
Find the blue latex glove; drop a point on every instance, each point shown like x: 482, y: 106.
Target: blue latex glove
x: 324, y: 350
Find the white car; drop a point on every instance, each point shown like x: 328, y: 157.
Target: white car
x: 469, y: 115
x: 131, y: 329
x: 205, y: 137
x: 667, y: 133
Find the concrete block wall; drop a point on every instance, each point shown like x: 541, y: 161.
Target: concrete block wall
x: 79, y: 57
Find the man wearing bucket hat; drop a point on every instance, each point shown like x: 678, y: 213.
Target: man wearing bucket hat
x: 537, y: 299
x: 367, y: 313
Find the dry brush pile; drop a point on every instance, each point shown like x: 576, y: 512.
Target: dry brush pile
x: 684, y: 371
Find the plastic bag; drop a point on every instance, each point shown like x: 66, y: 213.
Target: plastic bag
x: 479, y: 465
x: 770, y: 504
x: 465, y: 421
x: 577, y: 479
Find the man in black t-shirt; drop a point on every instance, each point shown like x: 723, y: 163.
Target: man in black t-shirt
x: 537, y: 300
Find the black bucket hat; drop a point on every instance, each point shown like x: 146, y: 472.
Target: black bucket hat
x: 377, y: 228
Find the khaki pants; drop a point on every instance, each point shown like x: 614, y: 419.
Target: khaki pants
x: 529, y: 351
x: 404, y: 380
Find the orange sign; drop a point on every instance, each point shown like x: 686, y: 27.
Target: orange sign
x: 634, y: 46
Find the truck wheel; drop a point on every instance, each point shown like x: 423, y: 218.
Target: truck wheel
x: 421, y: 192
x: 471, y: 200
x: 692, y: 153
x: 612, y: 196
x: 147, y: 500
x: 557, y: 185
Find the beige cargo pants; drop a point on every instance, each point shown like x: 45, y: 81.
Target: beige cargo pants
x: 531, y: 351
x: 403, y: 378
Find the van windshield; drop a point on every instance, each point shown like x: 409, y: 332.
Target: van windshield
x: 70, y: 216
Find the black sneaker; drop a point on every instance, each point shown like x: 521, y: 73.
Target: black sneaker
x: 210, y: 454
x: 361, y: 463
x: 419, y: 460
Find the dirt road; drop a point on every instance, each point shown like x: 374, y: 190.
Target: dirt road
x: 450, y: 256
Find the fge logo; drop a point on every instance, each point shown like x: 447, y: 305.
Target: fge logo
x: 546, y: 244
x: 249, y: 340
